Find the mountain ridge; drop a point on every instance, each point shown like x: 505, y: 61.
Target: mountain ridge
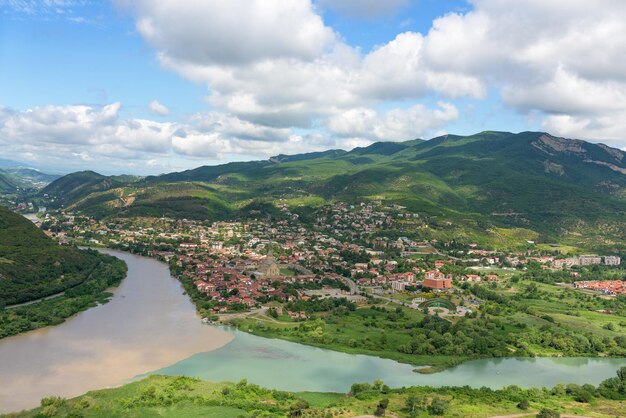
x: 548, y: 181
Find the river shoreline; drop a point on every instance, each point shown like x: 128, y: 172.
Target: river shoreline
x: 421, y: 365
x: 151, y: 327
x: 146, y: 325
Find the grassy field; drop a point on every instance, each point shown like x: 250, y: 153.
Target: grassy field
x: 516, y: 318
x: 160, y: 396
x: 364, y: 331
x: 576, y: 310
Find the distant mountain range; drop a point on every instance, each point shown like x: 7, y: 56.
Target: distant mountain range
x: 14, y: 174
x: 531, y: 184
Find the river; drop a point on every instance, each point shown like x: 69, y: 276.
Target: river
x: 149, y: 325
x: 284, y: 365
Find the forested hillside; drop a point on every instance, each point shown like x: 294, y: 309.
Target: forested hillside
x: 545, y: 185
x: 34, y: 266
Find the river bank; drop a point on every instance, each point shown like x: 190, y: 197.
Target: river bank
x: 148, y: 324
x: 366, y: 333
x: 186, y: 397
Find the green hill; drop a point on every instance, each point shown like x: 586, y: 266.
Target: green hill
x: 557, y: 188
x: 7, y: 184
x: 76, y: 185
x: 25, y: 178
x: 34, y: 266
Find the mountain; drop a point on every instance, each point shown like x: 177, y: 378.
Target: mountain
x: 531, y: 182
x: 10, y: 163
x: 75, y: 186
x: 14, y: 174
x: 26, y: 178
x: 7, y: 184
x: 283, y: 158
x: 33, y: 265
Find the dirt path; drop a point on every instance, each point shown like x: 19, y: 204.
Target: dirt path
x: 228, y: 316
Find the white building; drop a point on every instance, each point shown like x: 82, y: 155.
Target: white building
x: 612, y: 260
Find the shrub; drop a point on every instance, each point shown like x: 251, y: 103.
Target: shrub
x: 438, y: 406
x: 548, y: 413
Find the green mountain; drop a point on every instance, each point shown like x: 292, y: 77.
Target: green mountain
x: 15, y: 175
x: 531, y: 184
x: 7, y: 184
x: 34, y: 266
x: 25, y: 178
x: 73, y: 187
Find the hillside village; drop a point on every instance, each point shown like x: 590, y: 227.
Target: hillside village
x: 345, y: 253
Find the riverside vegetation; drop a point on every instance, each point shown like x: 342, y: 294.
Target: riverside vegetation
x: 33, y: 266
x: 527, y: 315
x: 187, y: 397
x: 530, y: 311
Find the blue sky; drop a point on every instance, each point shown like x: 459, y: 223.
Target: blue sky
x: 148, y: 87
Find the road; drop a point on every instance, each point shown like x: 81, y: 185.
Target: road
x: 354, y: 289
x: 30, y: 302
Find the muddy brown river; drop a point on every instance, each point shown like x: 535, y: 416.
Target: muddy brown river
x: 148, y: 325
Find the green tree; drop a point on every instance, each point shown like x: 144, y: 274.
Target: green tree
x: 414, y: 404
x: 548, y: 413
x: 438, y: 406
x: 381, y: 407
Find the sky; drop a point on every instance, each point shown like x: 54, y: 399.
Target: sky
x: 147, y: 86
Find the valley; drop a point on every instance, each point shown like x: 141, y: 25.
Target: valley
x: 372, y: 252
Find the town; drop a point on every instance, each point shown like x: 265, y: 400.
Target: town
x: 345, y: 252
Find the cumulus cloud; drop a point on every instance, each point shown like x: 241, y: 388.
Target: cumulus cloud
x: 49, y: 134
x: 280, y: 80
x: 205, y: 32
x: 393, y: 125
x: 294, y: 74
x: 566, y: 58
x: 99, y: 137
x: 561, y: 58
x: 157, y: 108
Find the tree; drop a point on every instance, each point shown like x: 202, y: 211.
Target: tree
x: 414, y: 404
x: 548, y: 413
x: 382, y: 407
x: 438, y: 406
x: 296, y: 410
x: 523, y: 404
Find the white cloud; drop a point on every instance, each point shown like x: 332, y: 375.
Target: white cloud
x: 47, y: 135
x: 157, y: 108
x: 294, y: 74
x: 609, y: 127
x: 279, y: 78
x: 205, y: 31
x: 236, y: 128
x: 393, y: 125
x: 566, y: 58
x: 101, y: 138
